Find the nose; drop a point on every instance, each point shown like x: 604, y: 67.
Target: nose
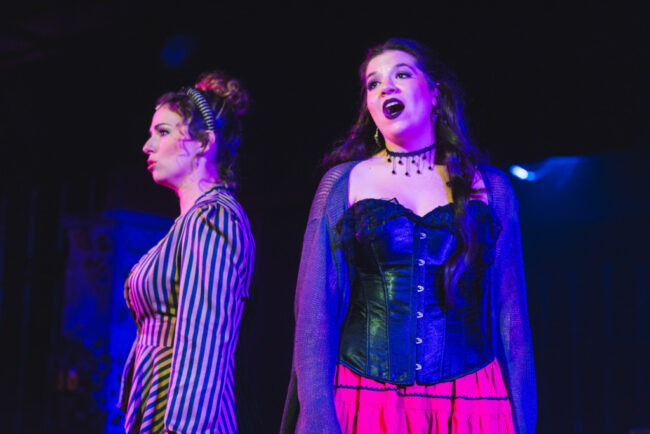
x: 388, y: 87
x: 148, y: 147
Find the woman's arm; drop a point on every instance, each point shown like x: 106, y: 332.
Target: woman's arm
x: 215, y: 265
x: 316, y: 339
x: 514, y: 344
x: 319, y: 306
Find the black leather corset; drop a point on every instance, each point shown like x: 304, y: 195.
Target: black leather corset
x: 399, y: 328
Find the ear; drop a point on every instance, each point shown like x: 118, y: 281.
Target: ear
x: 210, y: 141
x: 435, y: 95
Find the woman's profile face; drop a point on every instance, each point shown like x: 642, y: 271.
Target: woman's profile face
x: 398, y: 96
x: 170, y: 148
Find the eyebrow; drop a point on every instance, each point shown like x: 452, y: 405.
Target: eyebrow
x: 155, y: 127
x: 159, y: 125
x: 396, y: 66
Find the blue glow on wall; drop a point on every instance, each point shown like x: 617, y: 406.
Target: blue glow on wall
x: 177, y: 50
x: 97, y: 325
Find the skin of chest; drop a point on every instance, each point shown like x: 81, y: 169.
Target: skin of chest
x: 421, y: 193
x: 372, y: 178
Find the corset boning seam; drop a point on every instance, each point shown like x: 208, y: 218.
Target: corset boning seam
x: 387, y: 328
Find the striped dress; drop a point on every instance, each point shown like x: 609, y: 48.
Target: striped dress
x: 187, y: 296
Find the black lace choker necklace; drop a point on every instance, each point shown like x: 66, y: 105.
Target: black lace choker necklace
x: 413, y: 159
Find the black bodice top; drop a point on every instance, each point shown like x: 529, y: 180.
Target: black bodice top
x: 399, y: 326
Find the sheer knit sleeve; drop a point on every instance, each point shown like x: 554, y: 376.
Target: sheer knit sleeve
x: 509, y: 313
x: 319, y: 311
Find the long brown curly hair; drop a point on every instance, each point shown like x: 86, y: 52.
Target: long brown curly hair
x: 454, y: 148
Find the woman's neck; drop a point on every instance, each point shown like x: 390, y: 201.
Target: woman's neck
x: 411, y: 142
x: 193, y: 188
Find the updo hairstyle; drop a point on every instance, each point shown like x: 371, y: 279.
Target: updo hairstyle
x: 229, y: 102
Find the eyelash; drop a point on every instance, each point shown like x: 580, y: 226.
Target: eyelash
x: 162, y: 132
x: 373, y: 84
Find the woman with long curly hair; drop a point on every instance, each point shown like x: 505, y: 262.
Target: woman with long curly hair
x: 188, y: 292
x: 410, y: 306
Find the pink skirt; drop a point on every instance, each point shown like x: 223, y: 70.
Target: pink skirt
x: 475, y: 403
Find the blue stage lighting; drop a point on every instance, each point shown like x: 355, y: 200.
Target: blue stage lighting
x: 540, y: 169
x: 522, y: 173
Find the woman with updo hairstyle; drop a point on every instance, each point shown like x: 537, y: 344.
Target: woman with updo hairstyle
x: 410, y: 306
x: 188, y: 292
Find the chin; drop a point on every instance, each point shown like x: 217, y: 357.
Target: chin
x: 165, y: 183
x: 157, y: 179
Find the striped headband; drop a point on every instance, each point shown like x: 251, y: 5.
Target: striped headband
x: 204, y: 108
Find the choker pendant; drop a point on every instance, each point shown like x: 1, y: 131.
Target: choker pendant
x: 415, y: 159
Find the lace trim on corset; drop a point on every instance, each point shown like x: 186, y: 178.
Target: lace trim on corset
x: 364, y: 218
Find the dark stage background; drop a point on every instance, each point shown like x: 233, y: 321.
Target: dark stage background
x: 78, y: 85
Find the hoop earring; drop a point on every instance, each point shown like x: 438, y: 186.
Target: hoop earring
x: 376, y: 136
